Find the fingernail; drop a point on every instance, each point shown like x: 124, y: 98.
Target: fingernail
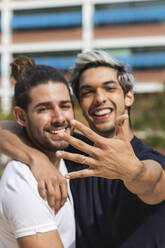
x: 58, y: 153
x: 73, y: 122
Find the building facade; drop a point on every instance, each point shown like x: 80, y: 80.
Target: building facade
x: 53, y: 32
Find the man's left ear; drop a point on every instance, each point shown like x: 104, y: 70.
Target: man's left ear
x: 129, y: 98
x: 20, y: 116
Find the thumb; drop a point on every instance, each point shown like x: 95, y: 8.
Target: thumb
x: 119, y: 127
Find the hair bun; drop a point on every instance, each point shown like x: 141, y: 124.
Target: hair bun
x: 19, y: 65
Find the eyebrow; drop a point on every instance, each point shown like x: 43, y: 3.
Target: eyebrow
x: 86, y: 86
x: 49, y: 103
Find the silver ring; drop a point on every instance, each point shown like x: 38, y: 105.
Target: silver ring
x: 83, y: 160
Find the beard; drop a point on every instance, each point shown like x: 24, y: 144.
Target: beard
x: 44, y: 143
x: 103, y: 131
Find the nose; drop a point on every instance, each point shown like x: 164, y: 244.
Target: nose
x: 58, y: 116
x: 100, y: 97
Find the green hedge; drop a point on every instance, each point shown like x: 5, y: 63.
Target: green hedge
x: 6, y: 117
x: 148, y: 111
x: 148, y: 114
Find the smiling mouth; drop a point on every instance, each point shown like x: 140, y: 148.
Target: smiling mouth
x: 102, y: 112
x: 57, y: 131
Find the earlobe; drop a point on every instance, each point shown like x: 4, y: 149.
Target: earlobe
x: 129, y: 98
x: 20, y: 116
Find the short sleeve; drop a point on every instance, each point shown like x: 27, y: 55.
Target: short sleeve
x: 26, y: 211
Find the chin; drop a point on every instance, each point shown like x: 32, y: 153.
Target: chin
x: 105, y: 131
x: 55, y: 147
x: 61, y: 146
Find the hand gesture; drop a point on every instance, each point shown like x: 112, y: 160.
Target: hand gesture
x: 111, y: 158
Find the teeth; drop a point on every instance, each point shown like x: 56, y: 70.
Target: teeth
x: 102, y: 112
x: 58, y: 131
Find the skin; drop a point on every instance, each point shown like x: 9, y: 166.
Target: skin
x: 41, y: 240
x: 50, y: 110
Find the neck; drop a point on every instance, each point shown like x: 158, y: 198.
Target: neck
x: 126, y: 129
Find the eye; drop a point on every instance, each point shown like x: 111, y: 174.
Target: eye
x: 42, y: 109
x: 86, y: 93
x: 66, y: 106
x: 112, y: 88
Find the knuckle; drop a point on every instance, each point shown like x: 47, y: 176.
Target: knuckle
x: 40, y: 181
x: 51, y: 194
x: 95, y: 153
x: 55, y: 178
x: 41, y: 188
x: 51, y: 204
x: 64, y: 197
x: 63, y: 181
x: 62, y: 204
x: 58, y: 198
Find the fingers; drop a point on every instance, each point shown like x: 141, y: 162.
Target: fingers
x: 52, y: 186
x: 119, y: 127
x: 53, y: 195
x: 56, y: 195
x: 54, y: 191
x: 87, y: 132
x: 64, y: 192
x: 81, y: 174
x: 42, y: 189
x: 80, y: 159
x: 78, y: 144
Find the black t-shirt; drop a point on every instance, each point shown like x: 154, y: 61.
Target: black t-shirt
x: 110, y: 216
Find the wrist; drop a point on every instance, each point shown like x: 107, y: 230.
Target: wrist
x: 33, y: 156
x: 136, y: 173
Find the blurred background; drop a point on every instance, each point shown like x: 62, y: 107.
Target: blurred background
x: 53, y: 32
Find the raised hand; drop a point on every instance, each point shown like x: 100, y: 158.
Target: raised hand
x: 111, y: 158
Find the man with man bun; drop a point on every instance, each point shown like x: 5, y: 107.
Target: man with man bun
x: 43, y: 107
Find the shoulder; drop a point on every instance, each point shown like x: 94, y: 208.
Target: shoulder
x: 20, y: 199
x: 16, y: 170
x: 17, y: 177
x: 144, y: 152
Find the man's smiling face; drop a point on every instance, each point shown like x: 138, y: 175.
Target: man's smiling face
x: 49, y: 113
x: 102, y: 99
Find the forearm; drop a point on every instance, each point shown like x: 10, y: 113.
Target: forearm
x: 13, y: 142
x: 149, y: 183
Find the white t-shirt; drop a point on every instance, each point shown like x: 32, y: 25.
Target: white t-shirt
x: 23, y: 212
